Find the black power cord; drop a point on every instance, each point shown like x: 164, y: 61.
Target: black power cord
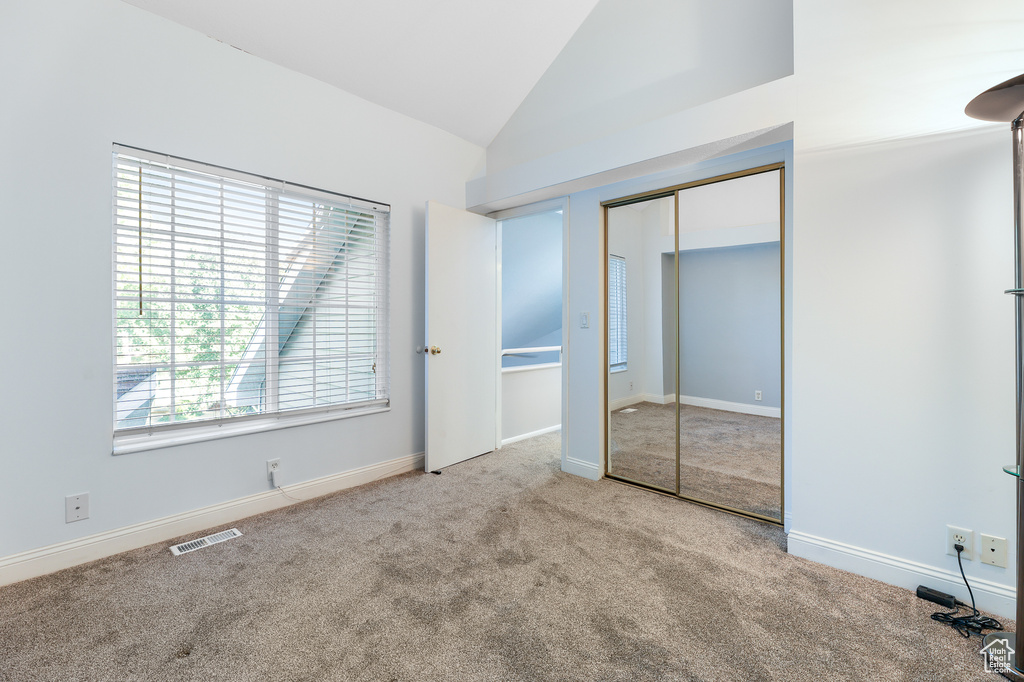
x: 966, y: 625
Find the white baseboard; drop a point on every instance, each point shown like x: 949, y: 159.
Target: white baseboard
x: 63, y: 555
x: 745, y: 408
x: 710, y: 403
x: 993, y: 597
x: 578, y: 467
x: 628, y: 400
x: 532, y: 434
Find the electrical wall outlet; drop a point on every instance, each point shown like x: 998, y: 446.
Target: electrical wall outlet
x: 76, y: 507
x: 757, y: 395
x: 992, y: 550
x: 272, y: 466
x: 960, y: 536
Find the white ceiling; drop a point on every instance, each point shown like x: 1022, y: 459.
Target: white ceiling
x: 461, y: 65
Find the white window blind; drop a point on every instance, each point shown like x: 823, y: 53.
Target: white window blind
x: 617, y: 312
x: 238, y: 296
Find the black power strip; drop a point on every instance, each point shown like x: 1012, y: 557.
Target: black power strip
x: 940, y: 598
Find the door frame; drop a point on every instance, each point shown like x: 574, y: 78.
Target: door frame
x: 664, y: 192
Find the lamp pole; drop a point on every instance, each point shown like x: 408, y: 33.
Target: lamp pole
x: 1005, y: 102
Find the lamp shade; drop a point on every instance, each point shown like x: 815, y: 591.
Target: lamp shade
x: 1003, y: 102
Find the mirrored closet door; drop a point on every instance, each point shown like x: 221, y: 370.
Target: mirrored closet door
x: 641, y: 343
x: 695, y: 343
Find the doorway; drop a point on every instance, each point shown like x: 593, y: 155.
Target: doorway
x: 694, y: 376
x: 531, y: 315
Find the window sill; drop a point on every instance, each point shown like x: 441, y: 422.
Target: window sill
x: 125, y: 444
x: 616, y: 370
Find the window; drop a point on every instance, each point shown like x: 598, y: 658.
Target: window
x: 617, y: 313
x: 238, y: 296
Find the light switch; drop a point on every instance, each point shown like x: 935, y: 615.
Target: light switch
x: 584, y: 320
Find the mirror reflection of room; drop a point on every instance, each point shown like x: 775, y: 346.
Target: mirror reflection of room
x: 730, y: 344
x: 712, y: 309
x: 641, y: 321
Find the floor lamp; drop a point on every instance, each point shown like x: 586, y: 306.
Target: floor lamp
x: 1005, y: 103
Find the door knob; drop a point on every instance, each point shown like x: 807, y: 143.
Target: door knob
x: 434, y: 350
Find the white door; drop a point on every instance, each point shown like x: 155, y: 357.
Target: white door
x: 461, y: 353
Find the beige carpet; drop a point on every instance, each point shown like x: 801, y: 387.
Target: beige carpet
x: 501, y: 568
x: 726, y: 458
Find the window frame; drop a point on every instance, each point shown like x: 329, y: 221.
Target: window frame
x: 150, y: 435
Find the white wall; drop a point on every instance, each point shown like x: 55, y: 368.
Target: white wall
x: 657, y: 84
x: 730, y: 328
x: 902, y: 390
x: 531, y: 285
x: 585, y: 354
x: 78, y: 75
x: 644, y: 231
x: 635, y: 61
x: 658, y: 231
x: 531, y: 401
x: 729, y: 294
x: 903, y: 378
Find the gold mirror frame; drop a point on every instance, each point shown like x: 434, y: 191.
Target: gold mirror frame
x: 673, y: 191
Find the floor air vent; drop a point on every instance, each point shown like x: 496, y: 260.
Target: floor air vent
x: 193, y: 545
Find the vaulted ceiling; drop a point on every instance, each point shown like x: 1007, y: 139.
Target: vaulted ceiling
x: 528, y: 78
x: 461, y: 65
